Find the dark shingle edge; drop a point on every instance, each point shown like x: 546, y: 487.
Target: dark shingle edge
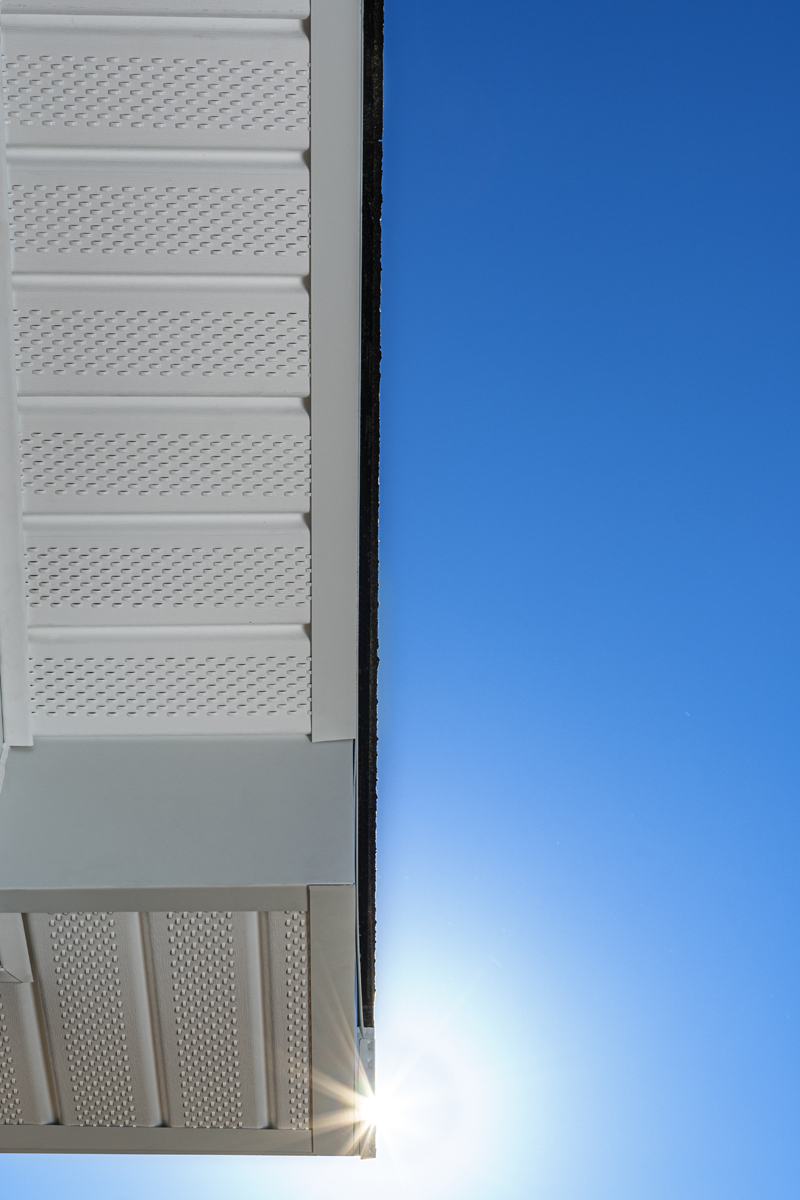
x: 367, y: 750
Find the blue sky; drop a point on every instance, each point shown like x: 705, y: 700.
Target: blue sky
x: 589, y: 974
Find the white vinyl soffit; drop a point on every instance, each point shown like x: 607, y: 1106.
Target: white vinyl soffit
x: 180, y: 314
x: 179, y: 1019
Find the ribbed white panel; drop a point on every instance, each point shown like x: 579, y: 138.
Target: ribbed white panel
x: 286, y: 939
x: 170, y: 680
x: 186, y: 1019
x: 207, y: 973
x: 138, y: 339
x: 141, y: 82
x: 106, y: 460
x: 125, y: 216
x: 158, y: 179
x: 157, y: 573
x: 93, y: 987
x: 25, y: 1097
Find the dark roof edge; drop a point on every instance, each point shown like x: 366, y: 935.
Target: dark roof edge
x: 367, y: 745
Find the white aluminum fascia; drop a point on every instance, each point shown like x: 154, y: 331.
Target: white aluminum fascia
x: 335, y: 358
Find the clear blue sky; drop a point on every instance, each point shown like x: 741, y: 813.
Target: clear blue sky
x: 590, y: 840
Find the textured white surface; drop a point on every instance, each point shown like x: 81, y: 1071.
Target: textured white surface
x: 160, y: 206
x: 25, y: 1096
x: 196, y: 572
x: 162, y: 459
x: 190, y: 337
x: 140, y: 216
x: 159, y: 201
x: 214, y: 1004
x: 170, y: 680
x: 160, y: 177
x: 287, y: 955
x: 93, y: 988
x: 150, y: 82
x: 14, y: 690
x: 207, y: 971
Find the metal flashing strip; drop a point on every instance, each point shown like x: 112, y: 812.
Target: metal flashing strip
x: 144, y: 823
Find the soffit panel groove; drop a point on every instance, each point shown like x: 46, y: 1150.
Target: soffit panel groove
x: 205, y: 8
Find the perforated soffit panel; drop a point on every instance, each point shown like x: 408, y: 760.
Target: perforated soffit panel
x: 180, y: 308
x: 194, y: 1020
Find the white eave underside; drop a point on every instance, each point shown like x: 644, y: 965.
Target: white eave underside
x: 155, y: 490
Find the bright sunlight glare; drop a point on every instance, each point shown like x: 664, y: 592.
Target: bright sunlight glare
x: 432, y: 1111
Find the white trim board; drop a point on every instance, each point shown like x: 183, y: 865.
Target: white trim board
x: 335, y: 359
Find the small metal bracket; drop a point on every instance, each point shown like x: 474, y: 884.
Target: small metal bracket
x: 366, y: 1087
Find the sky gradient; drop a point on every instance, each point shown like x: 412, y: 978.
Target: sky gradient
x: 588, y: 971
